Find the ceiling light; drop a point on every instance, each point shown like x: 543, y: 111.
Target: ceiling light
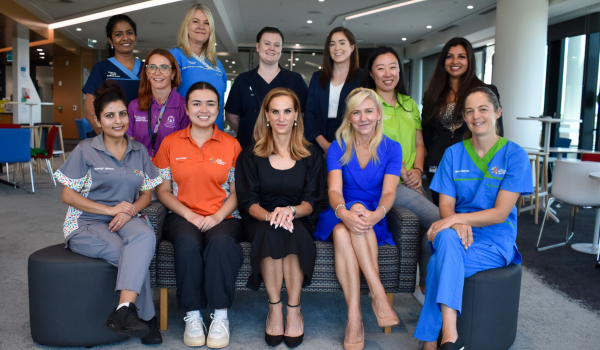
x: 321, y: 0
x: 42, y: 53
x: 319, y: 67
x: 109, y: 13
x: 381, y: 9
x: 286, y: 64
x: 470, y: 7
x: 309, y: 21
x: 215, y: 44
x: 293, y: 64
x: 94, y: 41
x: 144, y: 60
x: 137, y: 57
x: 403, y: 39
x: 230, y: 67
x: 234, y: 71
x: 313, y: 53
x: 232, y: 62
x: 226, y: 61
x: 78, y: 29
x: 297, y: 45
x: 40, y: 49
x: 297, y: 59
x: 428, y: 27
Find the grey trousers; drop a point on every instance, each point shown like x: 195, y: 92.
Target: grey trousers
x: 130, y: 249
x: 428, y: 213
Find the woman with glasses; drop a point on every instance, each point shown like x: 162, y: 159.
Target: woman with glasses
x: 159, y: 110
x: 196, y: 54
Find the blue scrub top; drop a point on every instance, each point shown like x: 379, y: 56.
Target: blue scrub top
x: 197, y: 68
x: 475, y: 183
x: 113, y: 69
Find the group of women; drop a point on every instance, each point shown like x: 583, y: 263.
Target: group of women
x: 354, y: 133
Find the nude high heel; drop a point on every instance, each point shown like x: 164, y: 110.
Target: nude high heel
x: 356, y: 346
x: 383, y: 322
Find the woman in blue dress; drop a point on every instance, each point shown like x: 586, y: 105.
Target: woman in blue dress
x: 479, y: 181
x: 363, y: 172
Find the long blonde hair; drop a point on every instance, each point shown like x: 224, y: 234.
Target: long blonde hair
x: 346, y: 132
x: 263, y: 134
x: 183, y: 40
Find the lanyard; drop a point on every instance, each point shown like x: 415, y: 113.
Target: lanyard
x: 155, y: 133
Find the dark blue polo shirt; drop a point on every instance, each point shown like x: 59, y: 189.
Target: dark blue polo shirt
x: 113, y: 69
x: 248, y: 92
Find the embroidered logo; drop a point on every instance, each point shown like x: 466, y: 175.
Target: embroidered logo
x: 387, y: 117
x: 104, y: 169
x: 141, y: 118
x: 170, y: 122
x: 497, y: 171
x: 181, y: 158
x: 112, y: 75
x: 216, y: 161
x: 462, y: 171
x: 138, y: 173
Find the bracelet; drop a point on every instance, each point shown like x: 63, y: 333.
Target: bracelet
x: 336, y: 208
x: 267, y: 216
x: 419, y: 170
x: 384, y: 211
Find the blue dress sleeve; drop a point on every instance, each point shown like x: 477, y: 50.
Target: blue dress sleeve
x: 442, y: 180
x: 333, y: 157
x: 394, y: 165
x: 518, y: 173
x: 95, y: 80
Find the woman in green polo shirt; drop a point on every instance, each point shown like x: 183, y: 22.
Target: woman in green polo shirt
x: 402, y: 123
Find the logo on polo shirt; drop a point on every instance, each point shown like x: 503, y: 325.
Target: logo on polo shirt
x: 462, y: 171
x: 170, y: 122
x: 497, y: 171
x: 112, y: 75
x: 217, y: 161
x: 387, y: 117
x: 97, y: 169
x: 141, y: 118
x: 138, y: 173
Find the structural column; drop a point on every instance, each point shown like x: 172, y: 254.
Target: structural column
x: 519, y: 66
x: 21, y: 77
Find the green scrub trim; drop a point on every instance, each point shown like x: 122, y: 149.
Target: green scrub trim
x: 482, y: 164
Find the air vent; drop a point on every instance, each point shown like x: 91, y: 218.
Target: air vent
x: 416, y: 41
x: 447, y: 28
x: 487, y: 11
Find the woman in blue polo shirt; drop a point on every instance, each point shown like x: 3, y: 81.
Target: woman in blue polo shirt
x: 250, y: 88
x: 121, y: 66
x: 197, y: 56
x: 479, y: 181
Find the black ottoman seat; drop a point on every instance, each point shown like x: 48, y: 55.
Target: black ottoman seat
x: 70, y: 297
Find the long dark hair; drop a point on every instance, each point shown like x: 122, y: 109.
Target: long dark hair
x: 109, y: 92
x: 110, y: 26
x: 439, y: 84
x: 327, y: 65
x: 369, y: 83
x: 493, y: 100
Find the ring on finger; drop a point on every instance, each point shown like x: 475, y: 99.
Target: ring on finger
x: 285, y: 212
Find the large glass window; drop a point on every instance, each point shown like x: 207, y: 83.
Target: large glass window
x: 571, y: 87
x: 488, y: 64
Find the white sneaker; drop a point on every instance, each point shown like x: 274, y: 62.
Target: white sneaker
x: 419, y: 296
x: 194, y: 329
x: 218, y: 333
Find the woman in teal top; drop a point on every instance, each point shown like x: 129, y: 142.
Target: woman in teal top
x: 402, y: 123
x: 479, y: 181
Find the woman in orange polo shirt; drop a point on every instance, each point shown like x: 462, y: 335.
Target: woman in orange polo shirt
x: 198, y: 168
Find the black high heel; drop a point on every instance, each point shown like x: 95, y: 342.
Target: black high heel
x: 273, y: 340
x: 292, y: 342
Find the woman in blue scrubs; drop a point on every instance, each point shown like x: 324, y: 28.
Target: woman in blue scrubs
x: 121, y: 66
x: 363, y: 174
x: 196, y: 54
x: 479, y: 181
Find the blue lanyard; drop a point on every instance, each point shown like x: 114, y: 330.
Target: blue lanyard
x: 154, y: 134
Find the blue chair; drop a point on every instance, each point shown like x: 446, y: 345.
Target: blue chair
x: 14, y: 148
x: 83, y: 128
x: 561, y: 142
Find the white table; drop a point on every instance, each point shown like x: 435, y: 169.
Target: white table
x: 30, y: 106
x: 591, y: 248
x: 549, y: 121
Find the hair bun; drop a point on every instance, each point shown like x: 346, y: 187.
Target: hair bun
x: 109, y: 86
x: 110, y: 91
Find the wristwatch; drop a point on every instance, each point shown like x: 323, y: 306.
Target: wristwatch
x: 293, y: 209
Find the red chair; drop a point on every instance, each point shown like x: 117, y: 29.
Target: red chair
x: 10, y: 126
x: 590, y: 157
x: 50, y: 149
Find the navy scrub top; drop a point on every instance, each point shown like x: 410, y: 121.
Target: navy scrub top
x: 248, y: 92
x: 113, y: 69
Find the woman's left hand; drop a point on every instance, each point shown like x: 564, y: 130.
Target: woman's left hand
x: 372, y: 216
x: 413, y: 179
x: 118, y: 222
x: 282, y: 217
x: 208, y: 222
x: 440, y: 225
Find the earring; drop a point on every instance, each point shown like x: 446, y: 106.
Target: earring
x: 112, y: 47
x: 295, y: 124
x: 268, y: 124
x: 377, y: 121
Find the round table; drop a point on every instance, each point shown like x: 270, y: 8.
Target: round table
x: 591, y: 248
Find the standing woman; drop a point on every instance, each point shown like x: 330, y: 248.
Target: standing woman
x: 196, y: 54
x: 402, y: 123
x: 279, y: 182
x: 121, y: 65
x: 157, y: 98
x: 198, y: 168
x: 330, y: 86
x: 107, y: 181
x: 364, y: 170
x: 250, y: 88
x: 443, y: 124
x: 478, y: 228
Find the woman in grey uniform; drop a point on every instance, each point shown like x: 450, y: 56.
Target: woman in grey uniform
x: 107, y: 182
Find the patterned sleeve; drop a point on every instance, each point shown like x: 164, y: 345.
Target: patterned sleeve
x: 75, y: 172
x: 162, y: 160
x: 151, y: 176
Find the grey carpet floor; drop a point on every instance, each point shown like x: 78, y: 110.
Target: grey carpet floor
x: 548, y: 319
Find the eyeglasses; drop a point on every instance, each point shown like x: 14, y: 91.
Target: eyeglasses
x: 163, y: 68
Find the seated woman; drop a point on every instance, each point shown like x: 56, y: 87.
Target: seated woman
x: 479, y: 181
x: 198, y: 168
x: 280, y: 180
x: 402, y: 123
x: 364, y: 169
x: 103, y: 177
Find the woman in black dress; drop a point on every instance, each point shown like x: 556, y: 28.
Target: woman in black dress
x: 279, y: 181
x: 454, y: 76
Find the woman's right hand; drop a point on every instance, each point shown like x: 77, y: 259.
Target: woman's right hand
x: 123, y: 207
x: 195, y: 219
x: 282, y: 217
x: 354, y: 221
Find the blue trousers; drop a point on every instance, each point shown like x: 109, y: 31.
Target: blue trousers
x: 448, y: 267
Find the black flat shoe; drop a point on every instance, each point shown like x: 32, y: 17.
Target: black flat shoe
x: 154, y: 337
x: 273, y: 340
x: 292, y: 342
x: 127, y: 322
x: 457, y: 345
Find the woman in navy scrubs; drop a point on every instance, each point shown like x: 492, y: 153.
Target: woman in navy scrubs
x: 330, y: 86
x: 121, y: 66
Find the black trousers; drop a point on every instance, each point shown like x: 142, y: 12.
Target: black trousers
x: 206, y: 263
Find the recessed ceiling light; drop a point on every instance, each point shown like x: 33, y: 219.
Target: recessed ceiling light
x: 297, y: 59
x: 297, y: 45
x: 313, y: 53
x: 319, y: 67
x: 215, y: 44
x: 470, y: 7
x: 226, y: 61
x: 40, y: 49
x: 428, y: 27
x: 321, y: 0
x: 309, y: 21
x: 286, y: 64
x: 234, y: 71
x: 370, y: 12
x: 232, y: 62
x: 94, y: 41
x: 293, y: 64
x: 42, y: 53
x: 229, y: 66
x: 78, y: 29
x: 144, y: 60
x: 403, y: 39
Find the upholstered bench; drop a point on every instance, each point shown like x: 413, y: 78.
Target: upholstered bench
x: 397, y: 265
